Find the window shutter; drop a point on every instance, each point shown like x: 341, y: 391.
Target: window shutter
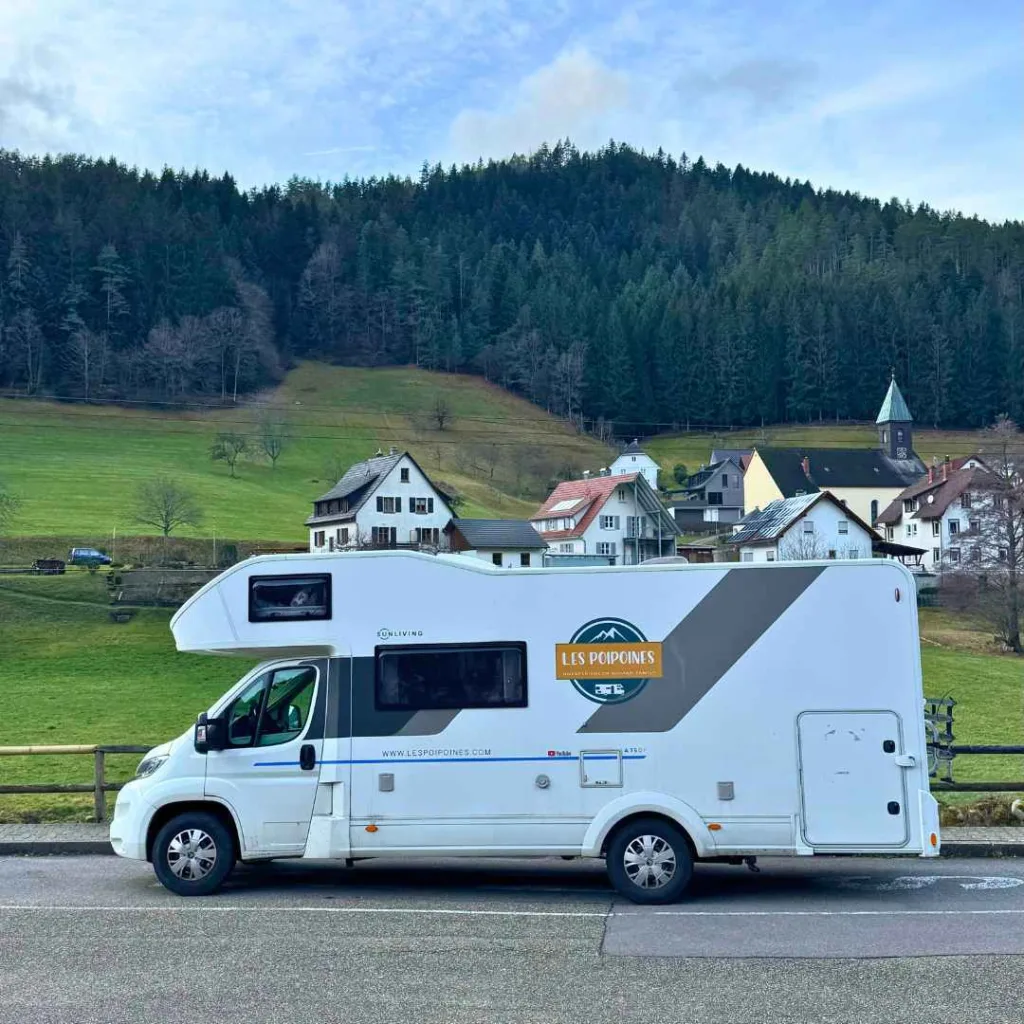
x: 398, y: 504
x: 380, y: 504
x: 430, y: 504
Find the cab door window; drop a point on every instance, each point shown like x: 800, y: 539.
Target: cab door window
x: 274, y: 708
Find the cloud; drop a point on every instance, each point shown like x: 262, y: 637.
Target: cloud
x: 571, y: 97
x: 764, y: 81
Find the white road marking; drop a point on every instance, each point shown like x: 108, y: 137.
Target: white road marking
x: 905, y: 883
x: 446, y: 912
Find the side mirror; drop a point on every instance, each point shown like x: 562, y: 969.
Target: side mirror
x: 209, y: 734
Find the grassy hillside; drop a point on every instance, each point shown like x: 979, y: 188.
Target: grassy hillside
x: 70, y: 675
x: 76, y: 467
x: 694, y: 448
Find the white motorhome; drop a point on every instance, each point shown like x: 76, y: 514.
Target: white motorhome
x: 657, y: 715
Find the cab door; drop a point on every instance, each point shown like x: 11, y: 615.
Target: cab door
x: 270, y: 767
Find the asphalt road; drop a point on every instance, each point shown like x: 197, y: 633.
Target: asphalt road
x: 88, y: 939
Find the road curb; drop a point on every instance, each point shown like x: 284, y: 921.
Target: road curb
x: 973, y: 849
x: 30, y: 848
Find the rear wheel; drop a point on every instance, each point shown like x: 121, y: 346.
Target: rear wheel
x: 193, y: 854
x: 649, y: 861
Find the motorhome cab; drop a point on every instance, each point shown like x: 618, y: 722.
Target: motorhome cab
x: 655, y: 716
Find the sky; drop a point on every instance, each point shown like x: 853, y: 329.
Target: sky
x: 917, y: 99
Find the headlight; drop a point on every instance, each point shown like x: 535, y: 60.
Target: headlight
x: 149, y: 765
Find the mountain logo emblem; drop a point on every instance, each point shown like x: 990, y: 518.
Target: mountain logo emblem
x: 608, y: 660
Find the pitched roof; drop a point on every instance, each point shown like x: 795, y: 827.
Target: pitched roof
x: 837, y: 467
x: 699, y: 481
x: 584, y: 499
x: 771, y: 522
x: 359, y: 482
x: 741, y: 456
x: 499, y: 533
x: 361, y: 474
x: 581, y: 499
x: 633, y: 448
x: 933, y: 496
x: 894, y: 408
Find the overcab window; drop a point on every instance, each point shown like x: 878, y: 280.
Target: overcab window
x: 425, y: 678
x: 289, y: 598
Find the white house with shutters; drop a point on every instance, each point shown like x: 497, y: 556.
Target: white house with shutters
x: 803, y: 528
x: 635, y: 460
x: 943, y: 514
x: 386, y: 501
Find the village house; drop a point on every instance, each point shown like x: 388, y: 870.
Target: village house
x: 940, y: 513
x: 803, y: 528
x: 866, y: 480
x: 619, y: 517
x: 386, y: 501
x: 711, y: 499
x: 635, y: 460
x: 509, y: 543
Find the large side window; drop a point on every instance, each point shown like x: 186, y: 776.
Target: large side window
x: 289, y: 598
x: 274, y: 708
x: 422, y: 678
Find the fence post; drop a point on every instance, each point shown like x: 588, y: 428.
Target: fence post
x: 99, y: 793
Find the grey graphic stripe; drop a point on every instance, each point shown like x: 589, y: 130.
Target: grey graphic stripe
x: 428, y: 723
x: 705, y: 645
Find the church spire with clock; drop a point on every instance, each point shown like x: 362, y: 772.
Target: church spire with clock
x: 895, y: 424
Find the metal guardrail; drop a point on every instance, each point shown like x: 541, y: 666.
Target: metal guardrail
x: 99, y: 787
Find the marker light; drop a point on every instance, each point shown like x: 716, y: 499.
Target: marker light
x: 371, y: 828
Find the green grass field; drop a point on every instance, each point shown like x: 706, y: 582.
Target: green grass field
x: 70, y: 675
x: 76, y: 467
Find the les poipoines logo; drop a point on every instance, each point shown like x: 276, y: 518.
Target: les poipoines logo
x: 608, y: 660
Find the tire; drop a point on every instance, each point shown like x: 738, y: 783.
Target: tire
x: 193, y: 854
x: 649, y: 861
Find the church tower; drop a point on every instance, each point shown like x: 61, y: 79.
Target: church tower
x: 895, y: 424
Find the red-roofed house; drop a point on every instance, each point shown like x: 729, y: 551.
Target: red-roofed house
x: 941, y: 512
x: 618, y: 517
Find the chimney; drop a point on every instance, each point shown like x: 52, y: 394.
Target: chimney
x: 603, y: 471
x: 931, y: 474
x: 805, y: 465
x: 392, y: 450
x: 586, y: 474
x: 945, y: 470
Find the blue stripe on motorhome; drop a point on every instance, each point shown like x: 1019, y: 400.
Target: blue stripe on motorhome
x: 456, y: 760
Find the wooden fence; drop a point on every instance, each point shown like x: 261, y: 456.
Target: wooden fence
x: 99, y: 786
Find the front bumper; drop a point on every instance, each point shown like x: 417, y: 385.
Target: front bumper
x: 130, y: 823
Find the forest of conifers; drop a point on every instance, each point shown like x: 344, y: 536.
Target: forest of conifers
x: 615, y: 286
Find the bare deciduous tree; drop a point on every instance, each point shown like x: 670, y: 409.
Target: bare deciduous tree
x: 165, y: 504
x: 995, y: 563
x: 85, y: 355
x: 229, y: 447
x: 803, y: 547
x: 489, y: 455
x: 272, y: 435
x: 441, y: 414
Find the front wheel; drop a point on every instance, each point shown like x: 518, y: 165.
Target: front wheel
x: 649, y: 861
x: 193, y: 854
